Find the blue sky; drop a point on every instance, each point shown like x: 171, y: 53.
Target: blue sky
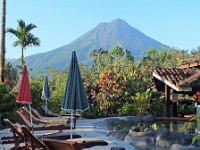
x: 59, y: 22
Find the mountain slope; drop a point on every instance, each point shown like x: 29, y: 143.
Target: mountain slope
x: 105, y: 36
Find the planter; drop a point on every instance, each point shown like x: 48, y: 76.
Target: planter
x: 139, y: 134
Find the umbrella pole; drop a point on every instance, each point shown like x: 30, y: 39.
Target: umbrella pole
x: 71, y: 124
x: 46, y: 107
x: 31, y: 118
x: 75, y: 119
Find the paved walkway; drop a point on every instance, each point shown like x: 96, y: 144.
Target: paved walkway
x: 86, y: 128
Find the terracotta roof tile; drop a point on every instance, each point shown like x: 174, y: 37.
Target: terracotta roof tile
x: 191, y: 62
x: 180, y: 77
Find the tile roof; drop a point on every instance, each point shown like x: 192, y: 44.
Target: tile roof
x: 191, y: 62
x: 178, y: 79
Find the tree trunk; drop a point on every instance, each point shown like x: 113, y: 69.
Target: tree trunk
x: 3, y: 35
x: 108, y: 110
x: 22, y: 61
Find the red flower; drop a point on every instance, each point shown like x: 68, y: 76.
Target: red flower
x: 6, y: 81
x: 196, y: 96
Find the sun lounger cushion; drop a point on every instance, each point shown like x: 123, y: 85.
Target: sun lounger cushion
x: 59, y: 135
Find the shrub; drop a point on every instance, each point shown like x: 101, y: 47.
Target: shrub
x: 8, y: 102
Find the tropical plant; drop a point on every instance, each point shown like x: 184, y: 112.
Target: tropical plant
x: 36, y: 91
x: 118, y: 78
x: 196, y: 97
x: 8, y: 104
x: 100, y: 59
x: 185, y: 109
x: 11, y: 76
x: 92, y: 91
x: 195, y: 52
x: 140, y: 127
x: 157, y: 104
x: 111, y: 85
x: 57, y: 84
x: 163, y: 58
x: 197, y: 118
x: 24, y: 37
x: 142, y: 102
x: 3, y: 37
x: 127, y: 109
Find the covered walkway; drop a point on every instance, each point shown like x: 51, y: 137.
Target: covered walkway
x: 173, y: 81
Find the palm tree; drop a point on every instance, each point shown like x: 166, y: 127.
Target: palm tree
x: 3, y: 49
x: 24, y: 37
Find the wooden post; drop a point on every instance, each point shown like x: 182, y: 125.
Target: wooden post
x: 174, y: 103
x: 167, y: 100
x: 174, y: 108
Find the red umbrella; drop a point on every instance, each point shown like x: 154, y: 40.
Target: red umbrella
x: 24, y: 94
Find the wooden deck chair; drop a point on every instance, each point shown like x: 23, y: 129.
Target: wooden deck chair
x: 52, y: 114
x: 18, y: 136
x: 37, y: 120
x: 38, y: 115
x: 31, y: 141
x: 41, y: 126
x: 53, y: 144
x: 49, y: 113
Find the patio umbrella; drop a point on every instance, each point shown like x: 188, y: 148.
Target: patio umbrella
x: 24, y: 93
x: 74, y: 96
x: 45, y: 93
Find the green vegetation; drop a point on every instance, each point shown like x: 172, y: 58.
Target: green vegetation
x: 140, y: 127
x: 185, y: 109
x: 142, y: 102
x: 197, y: 118
x: 24, y: 37
x: 115, y: 84
x: 8, y: 105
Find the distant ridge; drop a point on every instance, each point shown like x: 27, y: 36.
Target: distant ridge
x: 105, y: 36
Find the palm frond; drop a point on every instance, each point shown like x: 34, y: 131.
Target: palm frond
x: 16, y: 43
x: 29, y: 27
x: 195, y: 138
x: 21, y: 24
x: 31, y: 40
x: 12, y: 31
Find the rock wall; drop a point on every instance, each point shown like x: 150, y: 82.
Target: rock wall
x: 160, y: 138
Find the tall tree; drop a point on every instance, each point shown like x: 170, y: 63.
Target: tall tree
x: 3, y: 49
x: 24, y: 37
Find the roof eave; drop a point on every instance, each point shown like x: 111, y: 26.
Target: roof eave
x: 179, y: 89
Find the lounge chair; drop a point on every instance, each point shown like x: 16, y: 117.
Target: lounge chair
x: 49, y: 113
x: 38, y: 120
x: 41, y: 126
x: 18, y: 137
x: 52, y: 114
x: 53, y: 144
x: 38, y: 115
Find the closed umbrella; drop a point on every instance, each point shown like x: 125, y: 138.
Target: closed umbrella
x: 24, y: 94
x: 74, y: 96
x: 46, y: 93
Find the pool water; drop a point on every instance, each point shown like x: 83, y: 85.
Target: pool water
x: 180, y: 126
x: 175, y: 126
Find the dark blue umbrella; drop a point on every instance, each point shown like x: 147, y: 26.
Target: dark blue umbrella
x: 74, y: 97
x: 46, y: 93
